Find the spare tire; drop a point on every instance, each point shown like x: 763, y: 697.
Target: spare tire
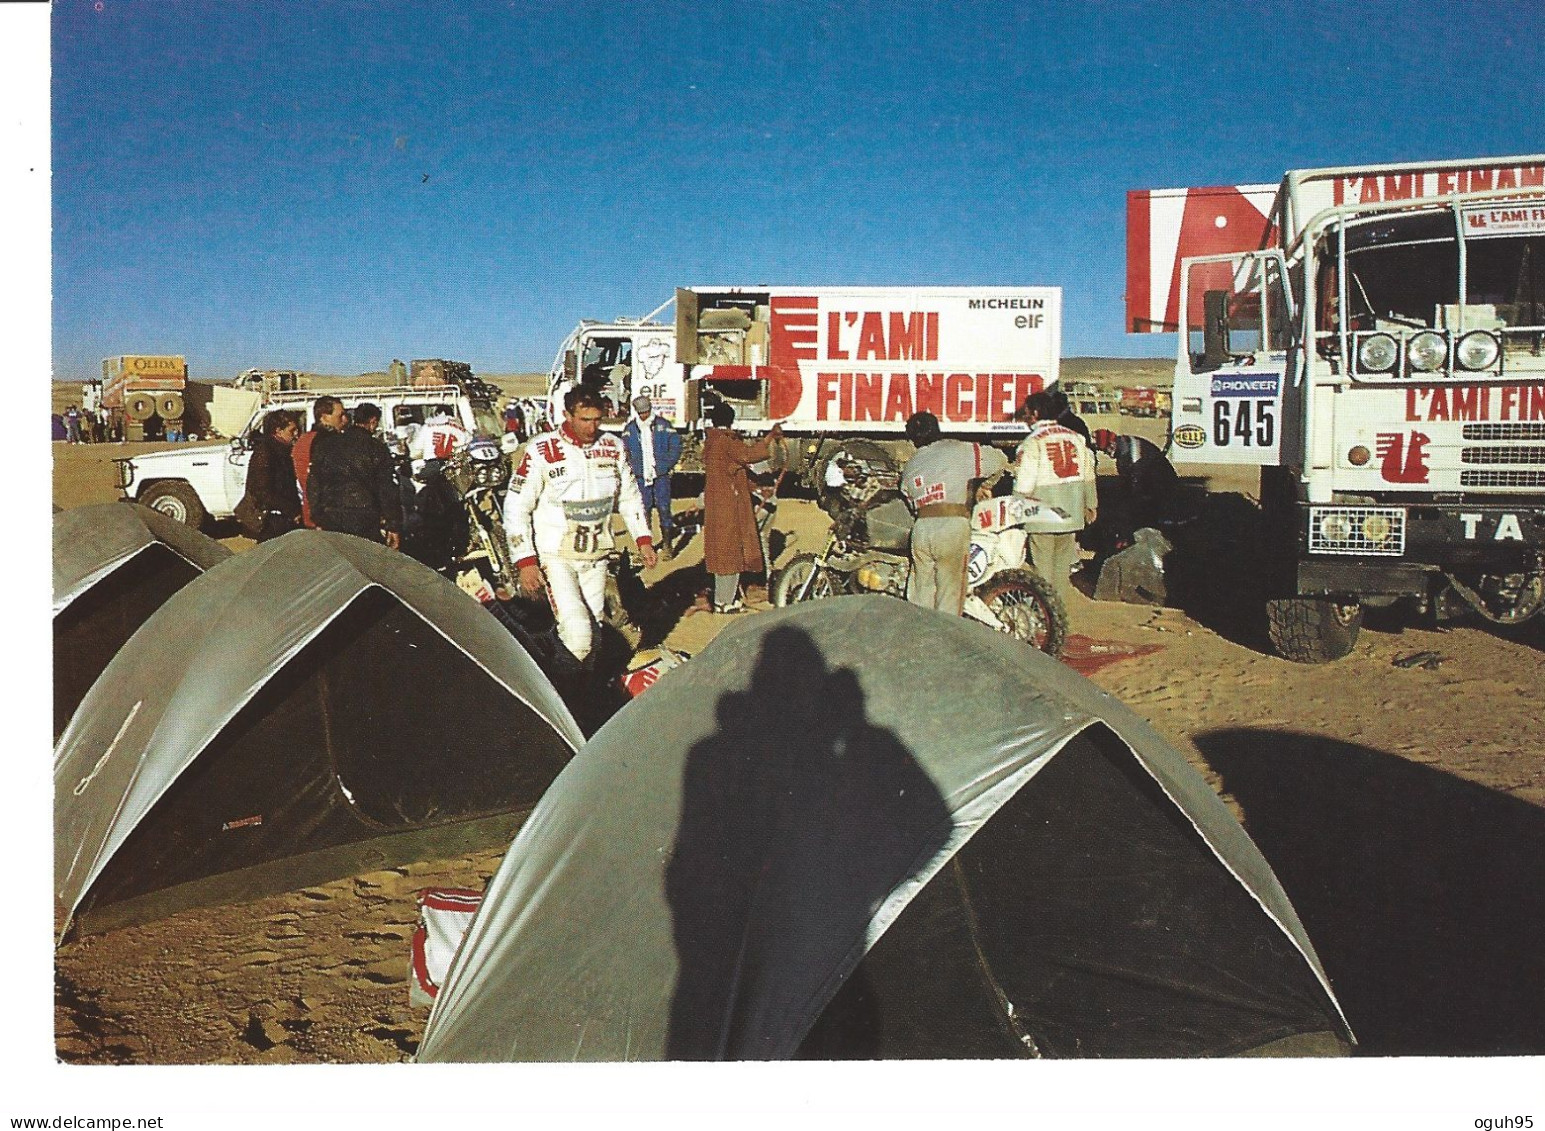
x: 169, y: 405
x: 139, y: 407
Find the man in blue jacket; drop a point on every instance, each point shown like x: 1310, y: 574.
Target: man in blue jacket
x: 652, y: 461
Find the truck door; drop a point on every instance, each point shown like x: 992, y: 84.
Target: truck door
x: 1231, y: 371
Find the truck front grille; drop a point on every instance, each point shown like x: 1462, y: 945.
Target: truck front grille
x: 1502, y: 455
x: 1379, y: 531
x: 1502, y: 478
x: 1501, y: 433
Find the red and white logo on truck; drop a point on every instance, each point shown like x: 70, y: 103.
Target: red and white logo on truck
x: 855, y: 356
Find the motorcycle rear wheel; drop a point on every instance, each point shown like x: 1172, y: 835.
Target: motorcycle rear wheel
x: 803, y: 579
x: 1027, y: 608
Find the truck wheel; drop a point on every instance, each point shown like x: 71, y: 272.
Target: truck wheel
x: 1313, y: 630
x: 175, y: 499
x: 803, y: 580
x: 1027, y: 608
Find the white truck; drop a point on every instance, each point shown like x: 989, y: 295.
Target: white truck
x: 848, y: 363
x: 1373, y: 338
x: 195, y: 481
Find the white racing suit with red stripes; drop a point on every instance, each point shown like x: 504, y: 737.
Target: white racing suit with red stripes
x: 559, y: 512
x: 438, y: 439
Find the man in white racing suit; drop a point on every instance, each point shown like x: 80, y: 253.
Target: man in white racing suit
x: 558, y: 516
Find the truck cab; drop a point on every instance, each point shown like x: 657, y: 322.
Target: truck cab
x: 1380, y: 355
x: 193, y: 482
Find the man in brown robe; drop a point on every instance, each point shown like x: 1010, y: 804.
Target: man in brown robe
x: 731, y: 545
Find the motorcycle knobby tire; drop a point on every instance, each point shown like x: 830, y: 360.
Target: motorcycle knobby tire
x: 788, y: 584
x: 1027, y: 608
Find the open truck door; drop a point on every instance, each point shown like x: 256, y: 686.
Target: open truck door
x: 1231, y: 369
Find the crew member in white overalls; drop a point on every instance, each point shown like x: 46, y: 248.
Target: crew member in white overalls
x: 558, y: 516
x: 938, y: 480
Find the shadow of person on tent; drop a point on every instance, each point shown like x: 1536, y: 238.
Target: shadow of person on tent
x: 798, y: 818
x: 1421, y: 890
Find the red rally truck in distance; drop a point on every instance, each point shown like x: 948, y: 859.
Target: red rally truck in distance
x: 1373, y: 338
x: 841, y: 368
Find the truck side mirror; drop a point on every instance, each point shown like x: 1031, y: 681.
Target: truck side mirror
x: 1215, y: 349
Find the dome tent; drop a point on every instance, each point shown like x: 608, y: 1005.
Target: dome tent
x: 114, y: 565
x: 315, y: 707
x: 857, y: 828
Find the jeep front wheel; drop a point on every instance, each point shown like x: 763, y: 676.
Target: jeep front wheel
x: 1311, y: 630
x: 175, y: 499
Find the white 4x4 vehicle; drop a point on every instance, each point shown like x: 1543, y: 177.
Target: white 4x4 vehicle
x: 192, y: 482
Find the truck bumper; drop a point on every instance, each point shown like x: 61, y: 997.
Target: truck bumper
x: 1336, y: 555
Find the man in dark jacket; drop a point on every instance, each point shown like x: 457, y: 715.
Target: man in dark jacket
x: 351, y: 486
x: 271, y: 475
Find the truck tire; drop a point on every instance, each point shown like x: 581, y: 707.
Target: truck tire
x: 175, y: 499
x: 1312, y: 630
x: 1027, y: 608
x: 794, y: 582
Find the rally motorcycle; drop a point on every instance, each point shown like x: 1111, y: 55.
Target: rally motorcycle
x: 867, y: 551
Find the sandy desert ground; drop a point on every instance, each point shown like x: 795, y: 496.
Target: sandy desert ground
x: 1403, y: 809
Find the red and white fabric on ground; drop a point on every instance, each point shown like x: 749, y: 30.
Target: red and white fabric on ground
x: 444, y: 915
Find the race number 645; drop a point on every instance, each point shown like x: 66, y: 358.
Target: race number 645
x: 1247, y: 423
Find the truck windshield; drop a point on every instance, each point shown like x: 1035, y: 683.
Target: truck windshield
x: 488, y: 423
x: 1400, y: 269
x: 1402, y: 272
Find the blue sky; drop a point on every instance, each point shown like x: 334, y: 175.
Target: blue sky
x: 328, y: 185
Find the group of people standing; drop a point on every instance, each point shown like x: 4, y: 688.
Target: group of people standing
x: 573, y: 479
x: 338, y: 476
x: 1053, y: 467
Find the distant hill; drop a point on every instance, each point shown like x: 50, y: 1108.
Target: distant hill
x: 1116, y: 372
x: 1120, y: 372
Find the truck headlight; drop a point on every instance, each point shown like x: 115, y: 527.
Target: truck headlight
x: 1427, y: 351
x: 1336, y: 528
x: 1477, y: 350
x: 1377, y: 353
x: 1377, y: 528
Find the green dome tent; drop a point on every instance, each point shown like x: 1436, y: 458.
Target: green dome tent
x: 114, y: 565
x: 315, y: 707
x: 857, y: 828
